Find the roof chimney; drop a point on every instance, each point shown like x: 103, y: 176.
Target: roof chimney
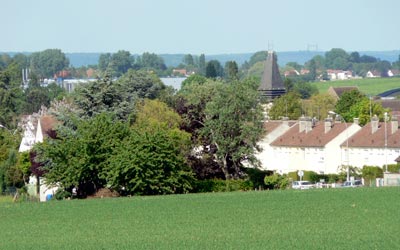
x: 374, y: 124
x: 285, y: 120
x: 305, y: 124
x: 356, y: 120
x: 395, y: 124
x: 328, y: 124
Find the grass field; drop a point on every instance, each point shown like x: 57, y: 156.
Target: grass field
x: 364, y: 218
x: 369, y: 86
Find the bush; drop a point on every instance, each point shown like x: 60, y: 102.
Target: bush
x: 370, y: 173
x: 276, y: 181
x: 217, y: 185
x: 394, y: 168
x: 256, y: 176
x: 62, y: 194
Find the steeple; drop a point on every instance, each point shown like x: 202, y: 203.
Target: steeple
x: 271, y: 85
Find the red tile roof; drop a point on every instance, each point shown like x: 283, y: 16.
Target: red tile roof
x: 314, y: 138
x: 365, y: 137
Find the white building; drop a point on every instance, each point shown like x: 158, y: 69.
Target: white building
x: 306, y: 145
x: 367, y: 146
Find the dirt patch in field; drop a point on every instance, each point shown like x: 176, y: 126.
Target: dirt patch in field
x: 105, y: 192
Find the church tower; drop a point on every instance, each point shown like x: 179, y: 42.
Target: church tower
x: 271, y: 85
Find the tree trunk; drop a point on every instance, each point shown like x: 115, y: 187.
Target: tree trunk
x: 38, y: 185
x: 225, y: 169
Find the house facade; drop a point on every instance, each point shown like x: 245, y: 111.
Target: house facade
x: 376, y: 144
x: 306, y: 145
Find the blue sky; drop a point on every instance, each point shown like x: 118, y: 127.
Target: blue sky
x: 206, y: 26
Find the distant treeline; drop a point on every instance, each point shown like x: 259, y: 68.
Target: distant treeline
x: 173, y: 60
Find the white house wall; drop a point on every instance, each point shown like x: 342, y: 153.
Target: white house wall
x: 359, y: 157
x: 266, y: 156
x: 323, y: 160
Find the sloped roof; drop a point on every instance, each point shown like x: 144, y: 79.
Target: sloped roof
x: 271, y: 78
x: 338, y: 91
x: 393, y: 104
x: 365, y: 137
x: 314, y: 138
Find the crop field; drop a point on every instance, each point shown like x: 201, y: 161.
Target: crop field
x: 360, y: 218
x: 369, y: 86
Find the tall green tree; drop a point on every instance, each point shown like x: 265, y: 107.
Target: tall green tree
x: 48, y: 62
x: 104, y: 95
x: 140, y: 165
x: 202, y: 65
x: 141, y: 83
x: 214, y: 69
x: 80, y: 157
x: 337, y: 59
x: 234, y: 125
x: 346, y: 101
x: 231, y: 70
x: 320, y: 105
x: 288, y: 105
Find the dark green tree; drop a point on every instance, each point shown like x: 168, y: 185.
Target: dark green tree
x: 188, y: 60
x: 122, y: 61
x: 234, y: 125
x: 337, y: 59
x: 202, y: 65
x: 48, y: 62
x: 231, y: 70
x: 139, y: 165
x: 104, y: 95
x: 140, y: 83
x: 214, y: 69
x: 80, y: 157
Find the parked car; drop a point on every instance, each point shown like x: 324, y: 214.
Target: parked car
x: 302, y: 185
x: 356, y: 183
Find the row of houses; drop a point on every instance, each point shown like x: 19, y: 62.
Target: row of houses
x: 325, y: 146
x: 335, y: 74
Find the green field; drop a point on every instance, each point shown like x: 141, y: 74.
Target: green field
x: 364, y: 218
x: 369, y: 86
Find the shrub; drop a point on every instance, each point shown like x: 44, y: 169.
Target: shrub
x: 370, y: 173
x: 62, y: 194
x: 394, y: 168
x: 256, y: 176
x: 276, y: 181
x: 218, y: 185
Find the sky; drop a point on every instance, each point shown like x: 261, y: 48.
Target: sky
x: 198, y: 26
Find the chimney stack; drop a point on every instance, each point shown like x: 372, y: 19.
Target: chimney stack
x: 395, y: 124
x: 285, y: 120
x: 305, y: 124
x: 356, y: 120
x: 328, y: 124
x: 374, y: 124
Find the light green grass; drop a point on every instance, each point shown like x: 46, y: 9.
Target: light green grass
x: 364, y: 218
x: 6, y: 198
x: 369, y: 86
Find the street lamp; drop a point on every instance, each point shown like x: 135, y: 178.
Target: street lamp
x: 386, y: 166
x: 347, y: 144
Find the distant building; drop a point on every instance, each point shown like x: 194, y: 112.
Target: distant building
x: 373, y: 74
x: 337, y: 92
x: 334, y: 74
x: 271, y: 85
x: 376, y: 144
x: 306, y: 144
x: 181, y: 72
x: 393, y: 72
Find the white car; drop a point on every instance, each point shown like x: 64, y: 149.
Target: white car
x: 356, y: 183
x: 302, y: 185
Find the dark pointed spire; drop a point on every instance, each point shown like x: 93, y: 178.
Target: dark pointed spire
x: 271, y: 82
